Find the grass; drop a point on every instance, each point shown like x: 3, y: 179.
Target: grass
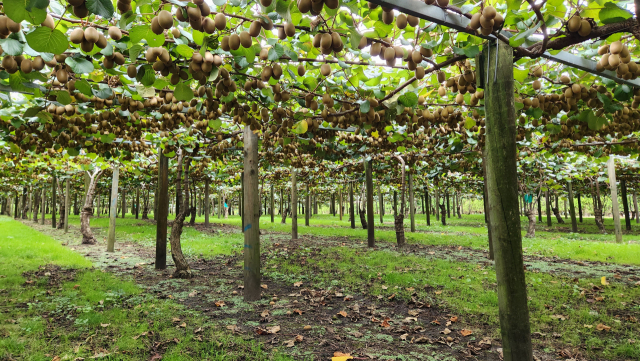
x: 93, y: 313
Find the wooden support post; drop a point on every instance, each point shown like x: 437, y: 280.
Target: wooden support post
x: 635, y: 205
x: 67, y: 198
x: 54, y: 201
x: 579, y: 207
x: 43, y: 202
x: 548, y: 204
x: 124, y: 201
x: 137, y: 201
x: 412, y: 208
x: 448, y: 205
x: 614, y: 198
x: 502, y: 187
x: 241, y: 201
x: 111, y: 238
x: 380, y: 197
x: 273, y: 212
x: 395, y: 203
x: 427, y: 202
x: 251, y: 216
x: 340, y: 204
x: 307, y: 206
x: 625, y: 205
x: 371, y: 242
x: 487, y: 205
x: 352, y: 215
x: 572, y: 209
x: 294, y: 205
x: 207, y: 201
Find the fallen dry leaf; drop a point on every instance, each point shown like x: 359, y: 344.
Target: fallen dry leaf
x: 183, y: 325
x: 297, y: 284
x: 438, y: 292
x: 234, y: 328
x: 559, y: 317
x: 264, y: 286
x: 454, y: 319
x: 175, y: 320
x: 56, y: 358
x: 413, y: 312
x: 446, y: 331
x: 466, y: 332
x: 219, y: 303
x: 602, y: 327
x: 105, y: 324
x: 342, y: 313
x: 603, y: 281
x: 264, y: 314
x: 588, y: 326
x: 300, y: 312
x: 339, y: 356
x: 410, y: 319
x: 273, y: 329
x: 193, y: 293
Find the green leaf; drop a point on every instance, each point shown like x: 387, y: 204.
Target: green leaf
x: 17, y: 11
x: 219, y: 2
x: 183, y: 91
x: 79, y: 65
x: 184, y: 50
x: 469, y: 123
x: 310, y: 82
x: 63, y: 97
x: 73, y: 152
x: 409, y: 100
x: 275, y: 52
x: 365, y: 107
x: 107, y: 138
x: 48, y: 40
x: 137, y: 33
x: 622, y: 93
x: 520, y: 38
x: 214, y: 73
x: 84, y: 87
x: 215, y: 123
x: 104, y: 8
x: 134, y: 51
x: 103, y: 93
x: 198, y: 37
x: 401, y: 149
x: 12, y: 46
x: 38, y: 4
x: 146, y: 75
x: 612, y: 13
x: 609, y: 107
x: 469, y: 51
x: 300, y: 127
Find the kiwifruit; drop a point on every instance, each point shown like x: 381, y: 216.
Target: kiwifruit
x: 289, y: 29
x: 217, y: 60
x: 387, y: 17
x: 426, y: 52
x: 9, y: 63
x: 176, y: 33
x: 264, y: 54
x: 443, y: 3
x: 362, y: 43
x: 107, y: 62
x: 536, y: 85
x: 413, y: 20
x: 224, y: 43
x: 486, y: 23
x: 416, y: 56
x: 325, y: 41
x: 301, y: 69
x: 332, y: 4
x: 604, y: 60
x: 62, y: 75
x: 193, y: 13
x: 265, y: 3
x: 565, y: 79
x: 419, y: 72
x: 585, y: 28
x: 486, y: 31
x: 208, y: 25
x: 86, y: 46
x: 376, y: 48
x: 234, y: 41
x: 281, y: 34
x: 442, y: 91
x: 254, y: 29
x: 13, y: 26
x: 336, y: 42
x: 399, y: 51
x: 441, y: 77
x: 82, y: 11
x: 245, y: 39
x: 204, y: 9
x: 266, y: 73
x: 115, y: 33
x: 576, y: 88
x: 616, y: 47
x: 573, y: 24
x: 76, y: 36
x: 537, y: 71
x: 102, y: 41
x: 48, y: 22
x: 497, y: 21
x: 123, y: 6
x: 325, y: 69
x: 401, y: 21
x: 317, y: 40
x: 76, y: 2
x: 316, y: 7
x: 165, y: 19
x: 38, y: 63
x: 26, y: 66
x: 91, y: 34
x: 267, y: 23
x: 389, y: 54
x: 614, y: 60
x: 304, y: 6
x: 489, y: 12
x: 276, y: 71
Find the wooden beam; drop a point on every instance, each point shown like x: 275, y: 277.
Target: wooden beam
x: 371, y: 241
x: 111, y: 238
x: 251, y: 216
x: 614, y: 198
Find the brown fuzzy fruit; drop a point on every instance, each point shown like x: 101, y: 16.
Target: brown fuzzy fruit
x: 234, y: 41
x: 401, y: 21
x: 301, y: 69
x: 489, y: 12
x: 573, y: 24
x: 585, y: 28
x: 76, y: 36
x: 325, y: 69
x: 413, y: 20
x: 289, y: 29
x: 245, y: 39
x: 221, y: 21
x: 387, y: 17
x: 254, y: 29
x: 304, y: 6
x: 115, y: 33
x: 165, y: 19
x: 91, y: 35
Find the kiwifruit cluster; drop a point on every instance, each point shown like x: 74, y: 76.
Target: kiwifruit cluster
x: 161, y: 22
x: 284, y: 31
x: 328, y: 42
x: 315, y: 6
x: 617, y: 57
x: 87, y: 38
x: 487, y: 21
x: 80, y: 8
x: 225, y: 84
x: 461, y: 84
x: 110, y: 60
x: 200, y: 66
x: 14, y: 63
x: 233, y: 41
x: 576, y: 24
x: 198, y: 17
x: 8, y: 26
x: 122, y: 5
x: 271, y: 71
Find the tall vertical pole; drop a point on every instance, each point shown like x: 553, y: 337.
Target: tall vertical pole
x: 307, y: 206
x: 625, y: 205
x: 548, y: 204
x: 579, y: 208
x: 54, y: 201
x: 43, y: 202
x: 241, y: 201
x: 427, y: 205
x: 412, y: 209
x: 163, y: 212
x: 67, y: 198
x: 635, y: 205
x: 380, y: 204
x: 207, y: 202
x: 572, y: 209
x: 137, y: 201
x: 502, y: 187
x: 614, y: 198
x: 352, y: 215
x: 251, y: 216
x: 340, y: 204
x: 273, y: 212
x: 111, y: 238
x: 371, y: 241
x: 124, y: 201
x: 294, y: 205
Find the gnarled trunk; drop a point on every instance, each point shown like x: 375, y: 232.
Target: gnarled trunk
x: 145, y: 209
x: 556, y: 212
x: 36, y: 205
x: 87, y: 210
x: 398, y: 221
x: 597, y: 214
x: 182, y: 266
x: 443, y: 213
x: 531, y: 229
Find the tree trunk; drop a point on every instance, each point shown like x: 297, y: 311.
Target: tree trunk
x: 572, y: 209
x: 615, y: 209
x: 531, y: 229
x: 399, y: 217
x: 36, y: 205
x: 294, y: 206
x: 412, y: 208
x: 145, y: 207
x: 625, y: 205
x: 371, y: 242
x: 182, y: 266
x: 548, y: 204
x: 580, y: 207
x: 597, y: 207
x: 352, y: 215
x: 251, y: 215
x: 87, y: 209
x: 67, y: 198
x: 443, y: 213
x: 113, y: 213
x: 53, y: 201
x: 635, y: 206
